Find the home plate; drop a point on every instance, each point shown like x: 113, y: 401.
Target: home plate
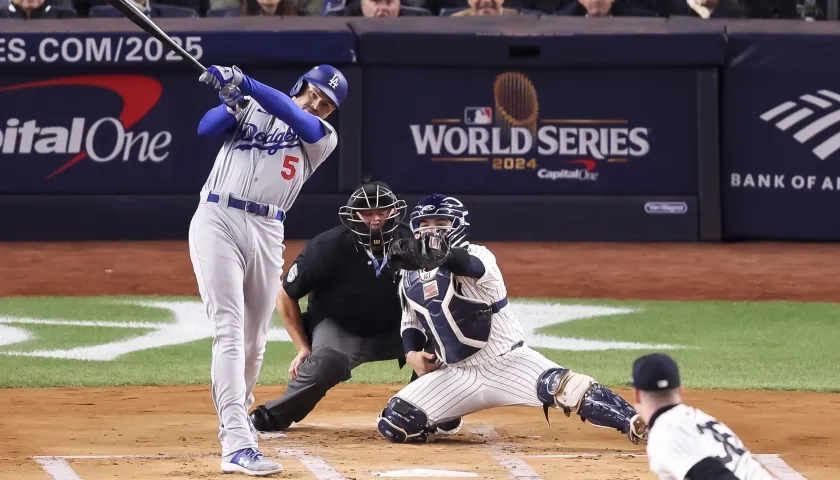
x: 424, y: 472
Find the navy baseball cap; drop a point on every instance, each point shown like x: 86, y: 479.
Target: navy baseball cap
x: 655, y: 372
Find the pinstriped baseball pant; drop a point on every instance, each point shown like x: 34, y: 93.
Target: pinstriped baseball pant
x: 455, y: 391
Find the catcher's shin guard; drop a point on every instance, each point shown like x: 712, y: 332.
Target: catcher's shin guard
x: 581, y: 394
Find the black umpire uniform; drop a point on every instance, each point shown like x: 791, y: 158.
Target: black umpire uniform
x: 354, y: 311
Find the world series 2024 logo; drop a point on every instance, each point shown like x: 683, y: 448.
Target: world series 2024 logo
x: 511, y: 136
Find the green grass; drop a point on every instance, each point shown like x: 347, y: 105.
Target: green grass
x: 762, y: 345
x: 731, y: 345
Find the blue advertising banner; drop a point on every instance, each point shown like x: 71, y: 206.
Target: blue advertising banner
x: 116, y: 41
x: 781, y: 138
x: 117, y: 134
x: 528, y: 132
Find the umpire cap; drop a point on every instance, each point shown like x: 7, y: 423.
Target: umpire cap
x: 655, y: 372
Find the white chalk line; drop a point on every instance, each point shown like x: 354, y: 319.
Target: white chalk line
x: 58, y: 468
x: 317, y: 465
x: 517, y: 467
x: 774, y: 464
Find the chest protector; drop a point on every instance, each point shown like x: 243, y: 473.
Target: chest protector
x: 459, y: 326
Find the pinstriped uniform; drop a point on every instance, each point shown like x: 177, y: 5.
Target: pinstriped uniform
x: 238, y: 257
x: 495, y: 376
x: 683, y: 436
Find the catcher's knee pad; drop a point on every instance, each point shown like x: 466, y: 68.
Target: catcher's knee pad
x: 562, y: 388
x: 402, y: 422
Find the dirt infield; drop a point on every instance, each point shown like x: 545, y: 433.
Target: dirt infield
x: 173, y: 429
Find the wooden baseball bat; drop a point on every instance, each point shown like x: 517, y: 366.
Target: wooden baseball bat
x: 137, y: 17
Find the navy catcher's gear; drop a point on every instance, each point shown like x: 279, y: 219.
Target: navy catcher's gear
x: 402, y: 422
x: 577, y: 393
x: 372, y: 196
x: 328, y: 79
x: 450, y: 208
x: 450, y: 427
x: 433, y: 298
x: 428, y: 252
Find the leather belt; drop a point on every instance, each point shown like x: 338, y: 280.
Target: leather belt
x: 255, y: 208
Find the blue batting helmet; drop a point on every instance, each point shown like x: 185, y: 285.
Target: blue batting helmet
x: 328, y: 79
x: 450, y: 208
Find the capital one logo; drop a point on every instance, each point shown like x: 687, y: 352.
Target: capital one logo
x: 139, y: 94
x: 806, y: 118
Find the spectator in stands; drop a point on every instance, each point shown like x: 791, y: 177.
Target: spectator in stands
x: 377, y: 8
x: 283, y: 8
x: 708, y: 8
x: 486, y: 7
x: 29, y: 9
x: 153, y: 10
x: 604, y: 8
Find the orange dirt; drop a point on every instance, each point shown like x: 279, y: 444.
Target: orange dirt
x: 180, y: 421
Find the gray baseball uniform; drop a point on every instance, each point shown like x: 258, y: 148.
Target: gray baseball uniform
x: 237, y: 252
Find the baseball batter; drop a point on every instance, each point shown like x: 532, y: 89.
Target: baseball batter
x: 274, y: 145
x: 686, y: 443
x: 454, y: 295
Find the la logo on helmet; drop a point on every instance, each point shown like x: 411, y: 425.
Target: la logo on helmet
x: 334, y: 81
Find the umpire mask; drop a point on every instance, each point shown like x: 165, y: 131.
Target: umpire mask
x: 373, y: 212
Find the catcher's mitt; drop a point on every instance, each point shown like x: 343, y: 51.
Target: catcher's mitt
x: 428, y: 252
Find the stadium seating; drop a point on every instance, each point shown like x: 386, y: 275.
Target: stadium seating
x: 445, y: 12
x: 160, y: 10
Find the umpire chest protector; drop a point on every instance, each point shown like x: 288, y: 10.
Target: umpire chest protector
x: 459, y: 326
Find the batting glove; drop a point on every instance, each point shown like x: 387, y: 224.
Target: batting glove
x: 220, y: 77
x: 232, y: 97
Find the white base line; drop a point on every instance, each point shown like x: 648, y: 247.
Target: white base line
x: 321, y: 469
x: 586, y: 455
x: 778, y: 467
x: 57, y: 468
x: 517, y: 467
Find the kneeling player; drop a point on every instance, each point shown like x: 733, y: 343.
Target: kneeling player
x: 453, y: 295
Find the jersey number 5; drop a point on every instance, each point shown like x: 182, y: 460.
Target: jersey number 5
x: 289, y: 167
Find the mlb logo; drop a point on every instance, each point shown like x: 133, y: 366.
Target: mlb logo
x: 478, y: 115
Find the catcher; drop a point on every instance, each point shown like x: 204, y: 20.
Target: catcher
x: 453, y: 295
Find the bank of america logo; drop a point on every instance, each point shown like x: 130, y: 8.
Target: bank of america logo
x: 788, y: 117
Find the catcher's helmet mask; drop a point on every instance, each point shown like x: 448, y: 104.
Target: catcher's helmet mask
x: 438, y: 206
x: 373, y: 196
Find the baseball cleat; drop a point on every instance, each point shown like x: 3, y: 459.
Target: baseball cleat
x: 250, y: 462
x: 451, y: 427
x: 264, y: 421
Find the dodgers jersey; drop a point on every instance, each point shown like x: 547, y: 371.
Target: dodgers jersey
x: 265, y: 161
x: 682, y: 436
x: 505, y: 330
